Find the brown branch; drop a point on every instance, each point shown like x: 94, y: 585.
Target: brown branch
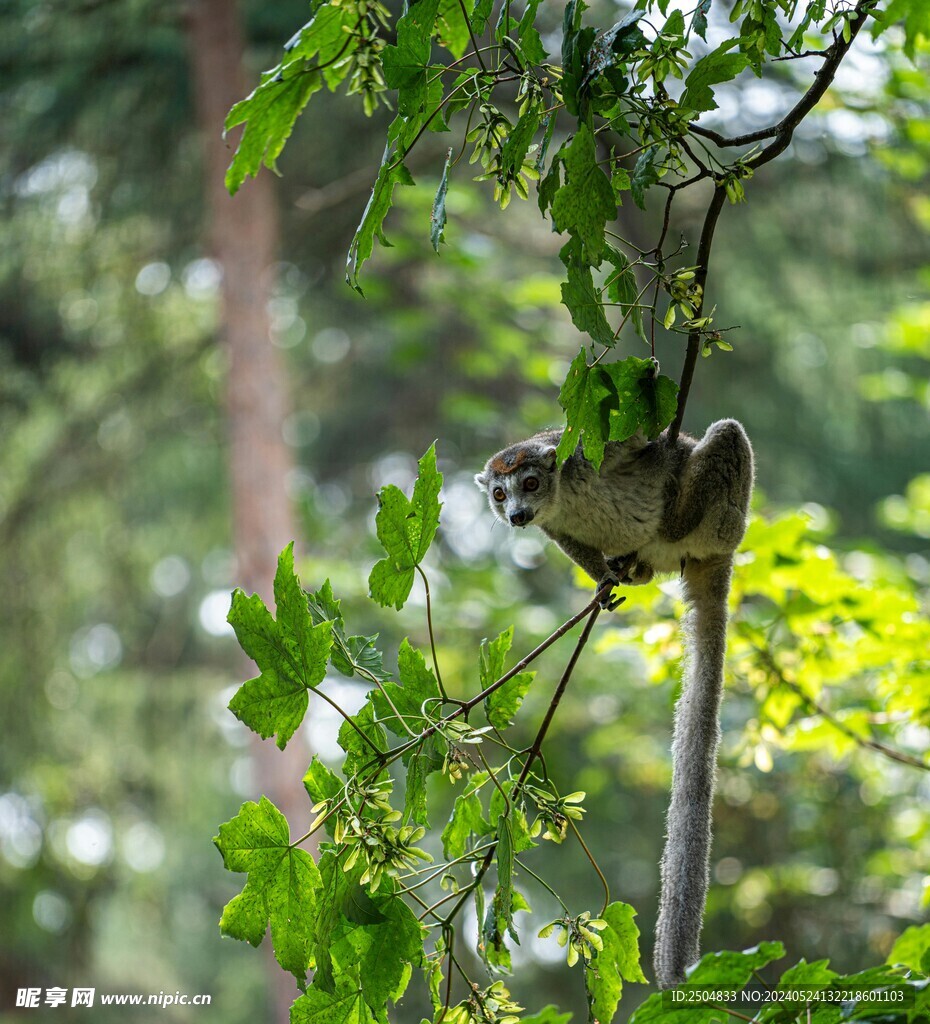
x: 823, y: 80
x: 781, y: 135
x: 536, y: 747
x: 736, y: 140
x: 700, y: 278
x: 863, y: 741
x: 592, y: 611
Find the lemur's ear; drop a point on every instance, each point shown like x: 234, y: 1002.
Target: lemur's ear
x: 481, y: 481
x: 549, y: 458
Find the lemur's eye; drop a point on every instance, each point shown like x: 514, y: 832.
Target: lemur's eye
x: 498, y: 494
x: 531, y: 484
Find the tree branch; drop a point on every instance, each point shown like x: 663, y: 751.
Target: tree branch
x: 863, y: 741
x: 781, y: 135
x: 700, y: 277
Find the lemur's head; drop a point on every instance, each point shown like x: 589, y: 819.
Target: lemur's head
x: 521, y: 482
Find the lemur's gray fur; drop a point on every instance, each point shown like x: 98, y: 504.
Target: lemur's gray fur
x: 654, y: 506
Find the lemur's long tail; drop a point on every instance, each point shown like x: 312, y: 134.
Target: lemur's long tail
x: 685, y: 862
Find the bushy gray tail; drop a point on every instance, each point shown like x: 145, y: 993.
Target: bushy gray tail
x: 685, y: 862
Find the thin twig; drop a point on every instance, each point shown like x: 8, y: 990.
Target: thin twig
x: 594, y: 864
x: 781, y: 135
x: 471, y: 36
x: 557, y: 696
x: 429, y: 625
x: 814, y: 705
x: 700, y: 278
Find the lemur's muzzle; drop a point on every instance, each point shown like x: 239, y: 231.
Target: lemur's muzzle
x: 521, y: 517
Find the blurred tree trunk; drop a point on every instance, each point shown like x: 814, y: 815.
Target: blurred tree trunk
x: 243, y: 239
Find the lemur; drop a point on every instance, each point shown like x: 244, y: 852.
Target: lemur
x: 666, y: 505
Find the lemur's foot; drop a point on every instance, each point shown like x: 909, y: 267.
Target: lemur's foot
x: 630, y: 570
x: 609, y: 580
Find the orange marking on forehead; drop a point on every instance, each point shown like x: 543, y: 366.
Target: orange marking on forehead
x: 499, y: 465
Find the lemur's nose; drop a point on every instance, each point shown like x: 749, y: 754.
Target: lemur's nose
x: 521, y: 517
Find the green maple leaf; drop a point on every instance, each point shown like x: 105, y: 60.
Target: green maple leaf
x: 369, y: 940
x: 585, y: 203
x: 583, y: 398
x: 417, y: 687
x: 715, y: 68
x: 646, y: 400
x: 581, y: 298
x: 291, y: 653
x: 406, y: 528
x: 392, y: 172
x: 350, y: 655
x: 344, y: 1006
x: 645, y: 174
x: 623, y: 289
x: 283, y: 885
x: 617, y: 962
x: 725, y: 970
x: 406, y: 65
x: 467, y: 819
x: 505, y: 701
x: 323, y: 784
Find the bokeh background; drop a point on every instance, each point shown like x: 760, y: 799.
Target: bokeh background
x: 117, y: 490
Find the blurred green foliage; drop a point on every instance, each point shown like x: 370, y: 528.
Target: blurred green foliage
x: 118, y: 755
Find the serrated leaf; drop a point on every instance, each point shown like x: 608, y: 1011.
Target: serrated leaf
x: 645, y: 400
x: 645, y: 174
x: 583, y: 397
x: 514, y: 150
x: 548, y: 126
x: 406, y: 65
x: 467, y: 819
x: 617, y: 962
x: 581, y: 298
x: 350, y: 655
x: 417, y: 687
x: 361, y: 737
x: 371, y: 940
x: 717, y: 67
x: 504, y: 702
x: 528, y: 35
x: 383, y: 952
x: 392, y: 173
x: 291, y: 653
x: 615, y: 45
x: 406, y: 528
x: 269, y: 113
x: 725, y: 970
x: 801, y: 976
x: 622, y: 288
x: 437, y: 217
x: 585, y: 203
x: 551, y: 182
x: 480, y: 14
x: 452, y: 28
x: 321, y: 783
x: 283, y: 886
x: 498, y: 922
x: 419, y: 765
x: 519, y: 827
x: 699, y: 20
x: 346, y: 1006
x: 576, y: 43
x: 911, y: 947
